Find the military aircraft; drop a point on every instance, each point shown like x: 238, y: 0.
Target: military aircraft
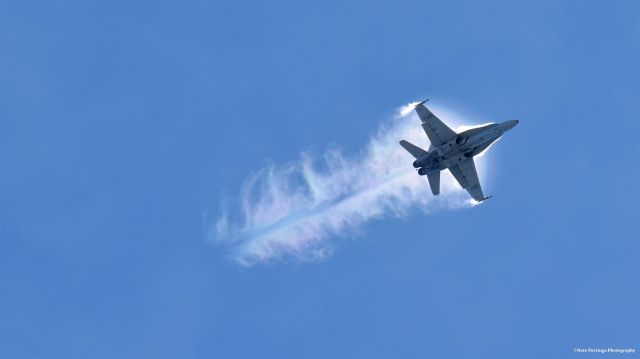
x: 453, y: 150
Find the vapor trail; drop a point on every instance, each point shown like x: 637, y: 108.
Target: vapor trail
x: 296, y: 210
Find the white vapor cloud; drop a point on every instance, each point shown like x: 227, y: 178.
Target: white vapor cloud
x: 297, y: 210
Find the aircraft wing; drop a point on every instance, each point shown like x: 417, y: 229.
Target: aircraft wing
x: 435, y: 129
x: 466, y: 174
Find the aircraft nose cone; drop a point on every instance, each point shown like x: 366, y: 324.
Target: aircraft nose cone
x: 510, y: 124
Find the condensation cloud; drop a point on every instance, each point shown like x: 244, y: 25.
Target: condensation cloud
x: 301, y: 209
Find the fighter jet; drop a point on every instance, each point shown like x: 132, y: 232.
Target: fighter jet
x: 453, y: 150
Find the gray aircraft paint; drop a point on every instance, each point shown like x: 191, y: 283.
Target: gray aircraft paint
x: 453, y: 151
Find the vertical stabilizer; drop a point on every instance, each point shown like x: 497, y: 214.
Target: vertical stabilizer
x: 434, y: 182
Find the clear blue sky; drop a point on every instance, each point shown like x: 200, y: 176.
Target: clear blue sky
x: 123, y: 123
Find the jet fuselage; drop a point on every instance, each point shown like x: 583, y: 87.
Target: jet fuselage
x: 466, y: 145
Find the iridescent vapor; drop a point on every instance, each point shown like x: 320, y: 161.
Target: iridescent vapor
x: 300, y: 209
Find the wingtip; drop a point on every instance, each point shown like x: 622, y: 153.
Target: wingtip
x: 476, y: 202
x: 420, y: 103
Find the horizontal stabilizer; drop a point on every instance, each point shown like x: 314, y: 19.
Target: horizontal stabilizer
x: 414, y: 150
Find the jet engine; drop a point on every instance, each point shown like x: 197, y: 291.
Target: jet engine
x: 461, y: 140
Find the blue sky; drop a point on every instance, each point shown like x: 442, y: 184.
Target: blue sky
x: 127, y: 126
